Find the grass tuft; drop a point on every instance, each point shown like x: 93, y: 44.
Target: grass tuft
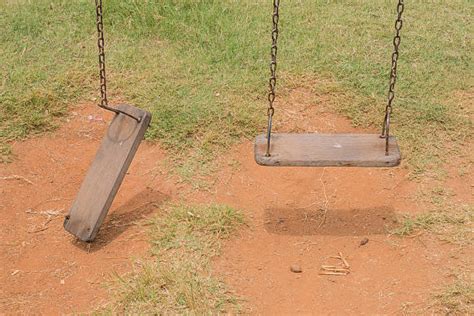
x: 179, y: 280
x: 5, y: 153
x: 456, y: 299
x: 452, y: 224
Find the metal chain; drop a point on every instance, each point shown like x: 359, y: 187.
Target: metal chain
x: 100, y: 44
x: 393, y: 75
x: 103, y: 80
x: 273, y: 66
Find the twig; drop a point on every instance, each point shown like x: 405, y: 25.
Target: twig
x: 44, y: 226
x: 342, y: 269
x: 416, y: 235
x: 326, y: 202
x: 333, y: 273
x: 49, y: 213
x: 17, y: 177
x: 328, y: 267
x: 117, y: 258
x: 38, y: 230
x: 346, y: 264
x: 345, y: 270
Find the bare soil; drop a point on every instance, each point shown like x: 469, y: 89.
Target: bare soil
x: 296, y: 216
x: 45, y: 270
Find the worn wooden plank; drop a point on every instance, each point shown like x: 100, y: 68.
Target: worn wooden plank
x: 106, y: 173
x: 327, y: 150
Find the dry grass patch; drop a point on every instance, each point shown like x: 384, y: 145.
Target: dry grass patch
x: 178, y: 279
x: 456, y: 299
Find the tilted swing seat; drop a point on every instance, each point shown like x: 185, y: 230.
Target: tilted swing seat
x: 112, y: 160
x: 329, y: 150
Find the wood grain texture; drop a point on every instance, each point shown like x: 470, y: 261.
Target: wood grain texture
x: 106, y: 173
x: 327, y: 150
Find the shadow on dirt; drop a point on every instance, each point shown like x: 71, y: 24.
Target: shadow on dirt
x: 121, y: 218
x: 351, y: 222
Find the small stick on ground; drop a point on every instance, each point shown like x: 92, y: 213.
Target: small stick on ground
x: 415, y: 235
x: 342, y: 269
x: 38, y: 230
x: 326, y: 201
x: 328, y: 267
x: 17, y: 177
x: 51, y: 214
x: 334, y: 273
x: 48, y: 213
x: 346, y: 264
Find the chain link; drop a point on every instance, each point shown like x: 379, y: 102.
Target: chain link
x: 273, y: 67
x: 393, y: 75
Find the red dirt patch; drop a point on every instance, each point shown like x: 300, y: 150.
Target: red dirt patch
x: 299, y: 216
x: 304, y: 216
x: 43, y: 269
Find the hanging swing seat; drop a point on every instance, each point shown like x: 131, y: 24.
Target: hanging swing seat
x: 327, y: 150
x: 107, y: 172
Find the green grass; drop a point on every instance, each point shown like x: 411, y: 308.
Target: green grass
x: 41, y: 65
x: 452, y: 223
x: 178, y: 279
x: 201, y: 67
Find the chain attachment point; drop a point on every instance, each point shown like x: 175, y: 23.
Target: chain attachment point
x: 273, y: 67
x: 393, y: 76
x: 102, y: 75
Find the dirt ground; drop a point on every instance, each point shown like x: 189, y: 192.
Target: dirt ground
x: 296, y: 216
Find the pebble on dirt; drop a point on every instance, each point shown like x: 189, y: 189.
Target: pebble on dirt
x: 296, y: 269
x: 364, y: 241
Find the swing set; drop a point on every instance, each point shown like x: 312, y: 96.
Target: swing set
x: 329, y: 150
x: 129, y: 124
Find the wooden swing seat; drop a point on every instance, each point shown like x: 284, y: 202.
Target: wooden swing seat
x: 327, y: 150
x: 106, y: 172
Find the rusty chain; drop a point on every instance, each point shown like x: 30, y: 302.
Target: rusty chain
x: 273, y: 66
x: 100, y: 44
x: 103, y: 79
x: 393, y: 75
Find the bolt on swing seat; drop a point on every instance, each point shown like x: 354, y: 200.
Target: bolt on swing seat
x: 329, y: 150
x: 326, y: 150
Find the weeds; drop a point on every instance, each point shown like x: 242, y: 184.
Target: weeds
x: 456, y: 299
x: 5, y: 153
x: 450, y: 223
x: 179, y: 279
